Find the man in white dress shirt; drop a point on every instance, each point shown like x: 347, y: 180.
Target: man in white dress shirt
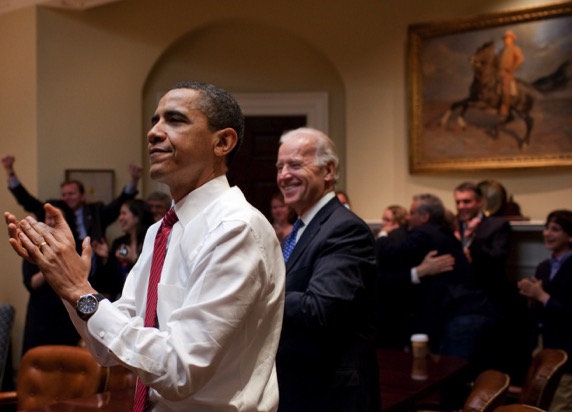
x: 221, y: 292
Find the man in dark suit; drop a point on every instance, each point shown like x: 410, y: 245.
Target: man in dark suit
x: 486, y: 241
x: 91, y: 219
x: 326, y: 358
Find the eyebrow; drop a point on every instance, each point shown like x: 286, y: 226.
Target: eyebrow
x: 169, y: 113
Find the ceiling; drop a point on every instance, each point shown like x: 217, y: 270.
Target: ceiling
x: 11, y: 5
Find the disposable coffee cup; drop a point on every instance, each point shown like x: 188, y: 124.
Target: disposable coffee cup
x: 419, y: 345
x: 419, y: 369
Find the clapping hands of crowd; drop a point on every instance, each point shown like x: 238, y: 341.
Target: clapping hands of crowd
x: 532, y: 288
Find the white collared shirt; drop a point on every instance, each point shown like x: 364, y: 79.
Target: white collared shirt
x: 220, y: 308
x: 313, y: 211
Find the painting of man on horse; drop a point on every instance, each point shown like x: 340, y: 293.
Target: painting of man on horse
x: 495, y: 86
x: 492, y: 91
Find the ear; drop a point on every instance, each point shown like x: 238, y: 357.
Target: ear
x: 226, y: 140
x: 329, y: 172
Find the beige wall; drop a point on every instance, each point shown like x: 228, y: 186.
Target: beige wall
x: 73, y: 84
x: 18, y: 135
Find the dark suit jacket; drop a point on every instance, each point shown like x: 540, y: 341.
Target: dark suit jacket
x: 326, y: 358
x: 442, y: 296
x: 47, y: 320
x: 96, y: 216
x: 489, y: 252
x: 398, y: 297
x: 556, y: 316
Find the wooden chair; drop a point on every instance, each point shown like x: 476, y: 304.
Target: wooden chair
x: 53, y: 373
x: 542, y: 379
x: 488, y: 392
x: 518, y: 407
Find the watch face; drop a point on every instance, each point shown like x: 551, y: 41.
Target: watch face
x: 87, y: 304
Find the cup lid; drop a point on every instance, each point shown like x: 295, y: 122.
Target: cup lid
x: 419, y: 337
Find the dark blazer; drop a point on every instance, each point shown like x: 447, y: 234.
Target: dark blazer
x: 47, y: 320
x: 96, y: 216
x: 398, y: 297
x: 442, y: 296
x: 326, y: 357
x: 489, y: 252
x: 556, y: 316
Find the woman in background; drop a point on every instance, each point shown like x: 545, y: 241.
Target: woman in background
x: 393, y: 216
x: 135, y: 217
x: 47, y: 320
x: 282, y: 216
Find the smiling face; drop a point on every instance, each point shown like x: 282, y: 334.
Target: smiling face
x: 127, y: 219
x: 556, y: 239
x: 184, y: 153
x: 468, y: 204
x: 72, y: 196
x: 299, y: 178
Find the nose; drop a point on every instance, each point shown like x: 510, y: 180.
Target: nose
x: 156, y: 133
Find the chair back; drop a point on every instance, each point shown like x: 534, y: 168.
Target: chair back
x: 543, y: 377
x: 54, y: 373
x: 6, y: 322
x: 489, y: 392
x: 518, y: 407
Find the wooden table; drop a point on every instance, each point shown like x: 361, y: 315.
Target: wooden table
x: 404, y: 381
x: 401, y: 385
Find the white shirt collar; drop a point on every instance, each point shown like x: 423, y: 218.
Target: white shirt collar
x: 313, y: 211
x: 197, y: 200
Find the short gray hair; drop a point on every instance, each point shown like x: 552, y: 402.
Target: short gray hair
x: 326, y: 151
x: 432, y: 205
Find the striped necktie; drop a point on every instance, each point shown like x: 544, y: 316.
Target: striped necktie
x: 159, y: 253
x: 290, y: 241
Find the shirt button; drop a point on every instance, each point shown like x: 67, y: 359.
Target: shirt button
x: 102, y: 334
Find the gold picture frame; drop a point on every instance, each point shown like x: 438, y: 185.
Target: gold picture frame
x: 454, y: 122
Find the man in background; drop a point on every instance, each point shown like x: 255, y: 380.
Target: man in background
x: 486, y: 242
x: 91, y: 219
x: 159, y: 203
x: 326, y: 360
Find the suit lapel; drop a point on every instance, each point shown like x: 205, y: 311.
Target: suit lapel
x: 560, y: 277
x: 311, y: 231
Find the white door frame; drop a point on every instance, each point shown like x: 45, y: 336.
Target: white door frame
x: 312, y: 105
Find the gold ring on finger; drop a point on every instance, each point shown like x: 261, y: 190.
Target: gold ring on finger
x: 42, y: 244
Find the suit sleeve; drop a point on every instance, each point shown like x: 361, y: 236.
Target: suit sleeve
x: 28, y: 202
x: 110, y: 212
x: 492, y: 249
x: 341, y: 266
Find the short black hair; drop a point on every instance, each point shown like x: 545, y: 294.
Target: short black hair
x: 79, y: 185
x: 470, y: 187
x: 563, y: 218
x: 220, y: 108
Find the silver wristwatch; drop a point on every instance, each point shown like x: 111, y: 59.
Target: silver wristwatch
x: 87, y: 305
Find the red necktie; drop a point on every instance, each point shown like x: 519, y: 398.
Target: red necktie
x: 159, y: 253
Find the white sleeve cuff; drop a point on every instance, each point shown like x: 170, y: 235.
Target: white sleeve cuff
x: 414, y: 278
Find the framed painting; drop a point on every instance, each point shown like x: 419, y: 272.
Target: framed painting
x: 98, y: 184
x: 491, y: 91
